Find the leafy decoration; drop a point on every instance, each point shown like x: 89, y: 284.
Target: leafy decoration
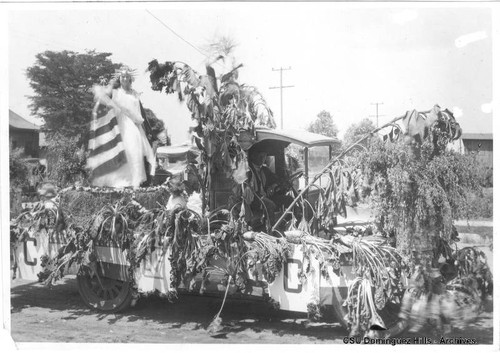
x: 221, y: 111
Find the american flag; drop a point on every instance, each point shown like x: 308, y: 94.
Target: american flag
x: 106, y: 148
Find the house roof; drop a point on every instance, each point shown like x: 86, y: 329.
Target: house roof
x: 476, y: 136
x: 18, y: 122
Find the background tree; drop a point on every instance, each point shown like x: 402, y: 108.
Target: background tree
x: 324, y: 125
x: 21, y: 178
x: 18, y: 168
x: 62, y: 83
x: 416, y: 197
x: 356, y: 131
x: 66, y: 160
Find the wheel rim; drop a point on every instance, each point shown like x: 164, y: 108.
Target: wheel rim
x: 103, y: 293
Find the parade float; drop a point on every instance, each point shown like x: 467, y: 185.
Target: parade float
x: 376, y: 277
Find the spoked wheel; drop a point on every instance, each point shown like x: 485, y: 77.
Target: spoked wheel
x: 103, y: 293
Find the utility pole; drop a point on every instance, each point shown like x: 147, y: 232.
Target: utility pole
x: 281, y: 69
x: 377, y: 115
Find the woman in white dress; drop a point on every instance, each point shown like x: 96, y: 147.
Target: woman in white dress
x: 126, y: 106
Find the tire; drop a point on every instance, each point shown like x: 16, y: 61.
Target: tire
x: 104, y: 294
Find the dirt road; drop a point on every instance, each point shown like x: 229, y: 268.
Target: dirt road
x: 40, y: 314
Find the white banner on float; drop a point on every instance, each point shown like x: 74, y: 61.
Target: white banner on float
x: 294, y: 295
x: 154, y: 272
x: 289, y: 291
x: 28, y: 254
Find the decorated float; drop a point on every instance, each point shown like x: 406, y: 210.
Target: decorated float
x: 310, y: 255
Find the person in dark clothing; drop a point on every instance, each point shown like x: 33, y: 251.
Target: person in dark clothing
x: 264, y: 197
x: 263, y: 183
x: 156, y: 135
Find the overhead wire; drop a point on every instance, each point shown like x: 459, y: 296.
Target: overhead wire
x: 177, y: 34
x: 51, y: 42
x: 204, y: 53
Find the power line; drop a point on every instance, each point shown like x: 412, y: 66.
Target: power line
x: 376, y: 110
x: 178, y: 35
x: 281, y: 69
x: 204, y: 53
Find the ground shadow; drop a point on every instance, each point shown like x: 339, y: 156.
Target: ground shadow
x: 192, y: 312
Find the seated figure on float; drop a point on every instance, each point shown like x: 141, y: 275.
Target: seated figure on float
x: 261, y: 193
x: 121, y: 154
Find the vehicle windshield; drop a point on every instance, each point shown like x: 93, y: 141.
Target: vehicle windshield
x: 318, y: 159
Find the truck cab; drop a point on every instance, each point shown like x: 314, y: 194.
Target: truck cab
x: 294, y: 156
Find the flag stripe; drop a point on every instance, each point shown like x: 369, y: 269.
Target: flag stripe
x: 103, y: 119
x: 105, y: 147
x: 105, y: 138
x: 94, y: 162
x: 107, y: 152
x: 104, y: 129
x: 110, y: 165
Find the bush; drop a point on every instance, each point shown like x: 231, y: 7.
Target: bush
x: 66, y: 160
x: 19, y: 172
x: 417, y: 192
x: 18, y: 169
x: 481, y: 205
x: 486, y: 174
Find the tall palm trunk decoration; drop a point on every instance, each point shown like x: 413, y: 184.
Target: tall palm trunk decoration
x: 221, y: 107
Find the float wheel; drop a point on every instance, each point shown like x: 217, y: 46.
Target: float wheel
x: 103, y: 293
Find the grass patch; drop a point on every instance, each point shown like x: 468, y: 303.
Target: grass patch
x: 483, y: 231
x: 481, y: 206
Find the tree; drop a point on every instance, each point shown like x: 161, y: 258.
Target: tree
x: 417, y: 196
x: 62, y: 82
x: 66, y: 160
x: 416, y: 192
x: 357, y: 130
x: 18, y: 168
x: 324, y: 125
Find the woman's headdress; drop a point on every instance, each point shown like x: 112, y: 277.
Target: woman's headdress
x: 124, y: 71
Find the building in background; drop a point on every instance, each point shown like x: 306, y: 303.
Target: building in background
x: 482, y: 144
x: 23, y: 134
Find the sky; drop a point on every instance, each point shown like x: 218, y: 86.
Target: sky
x: 343, y: 58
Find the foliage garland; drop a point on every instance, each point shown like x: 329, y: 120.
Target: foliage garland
x: 416, y: 190
x: 399, y: 183
x: 141, y: 231
x: 416, y: 194
x: 131, y: 227
x: 221, y: 113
